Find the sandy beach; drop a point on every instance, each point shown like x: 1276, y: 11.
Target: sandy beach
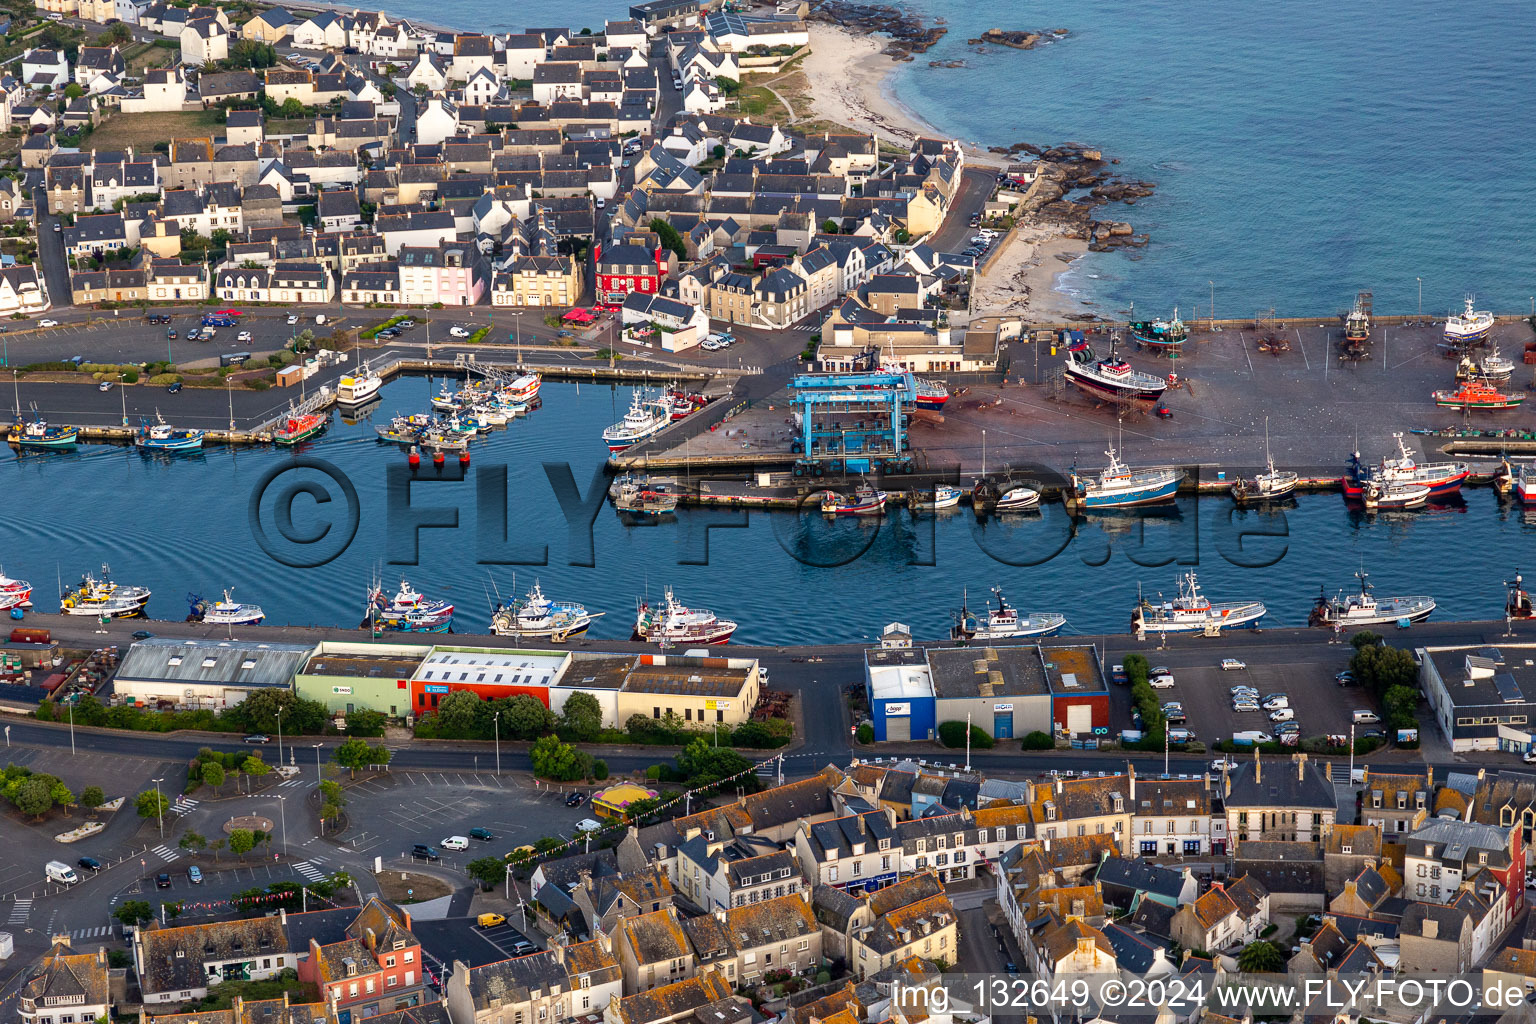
x: 852, y: 88
x: 1020, y: 277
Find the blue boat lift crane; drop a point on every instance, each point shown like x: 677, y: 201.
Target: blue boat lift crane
x: 852, y: 422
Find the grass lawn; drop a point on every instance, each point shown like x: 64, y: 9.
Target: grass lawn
x: 289, y: 125
x: 142, y: 131
x: 140, y: 56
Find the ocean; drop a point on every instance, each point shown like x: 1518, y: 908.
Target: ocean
x: 186, y: 524
x: 1302, y: 151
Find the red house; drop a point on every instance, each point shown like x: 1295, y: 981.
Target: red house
x: 621, y: 269
x: 375, y: 969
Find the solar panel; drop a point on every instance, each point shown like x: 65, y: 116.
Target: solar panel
x: 1509, y: 690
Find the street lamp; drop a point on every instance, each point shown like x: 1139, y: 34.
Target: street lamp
x: 159, y: 815
x: 496, y: 725
x: 283, y: 817
x: 318, y: 779
x: 279, y: 737
x: 71, y: 730
x: 1421, y: 295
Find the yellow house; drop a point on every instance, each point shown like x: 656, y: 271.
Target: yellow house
x: 699, y: 691
x: 538, y: 281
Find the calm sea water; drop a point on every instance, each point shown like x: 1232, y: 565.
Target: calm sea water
x: 182, y: 524
x: 1303, y: 151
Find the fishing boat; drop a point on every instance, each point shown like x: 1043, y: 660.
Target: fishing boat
x: 524, y: 388
x: 1017, y: 499
x: 865, y: 501
x: 644, y: 419
x: 931, y: 394
x: 1266, y: 486
x: 944, y: 496
x: 408, y: 612
x: 684, y: 403
x: 1111, y: 377
x: 1470, y: 327
x: 1496, y: 367
x: 538, y: 617
x: 104, y: 598
x: 1517, y: 602
x: 438, y: 439
x: 38, y: 434
x: 1365, y: 609
x: 162, y: 437
x: 1002, y: 623
x: 1525, y: 483
x: 1161, y: 335
x: 671, y: 623
x: 299, y: 428
x: 1118, y: 486
x: 645, y: 501
x: 227, y: 612
x: 1478, y: 394
x: 1357, y: 325
x: 1379, y: 496
x: 357, y: 388
x: 14, y: 593
x: 486, y: 415
x: 1442, y: 478
x: 1192, y: 612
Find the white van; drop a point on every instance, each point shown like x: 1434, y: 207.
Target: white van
x: 1366, y: 717
x: 60, y: 872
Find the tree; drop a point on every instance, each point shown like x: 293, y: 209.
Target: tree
x: 247, y: 53
x: 331, y: 801
x: 91, y: 797
x: 1262, y: 957
x: 291, y: 108
x: 527, y: 718
x: 118, y: 33
x: 718, y: 152
x: 829, y: 226
x: 259, y: 713
x: 365, y: 722
x: 670, y: 239
x: 553, y: 759
x: 255, y: 766
x: 73, y: 91
x: 456, y: 714
x: 489, y: 870
x: 134, y: 913
x: 703, y: 764
x: 213, y: 774
x: 172, y: 910
x: 352, y: 754
x: 241, y: 841
x: 582, y: 717
x: 1401, y: 703
x: 865, y: 733
x: 193, y: 841
x: 34, y: 797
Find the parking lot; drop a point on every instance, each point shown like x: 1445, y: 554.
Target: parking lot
x: 460, y: 938
x: 1320, y: 705
x: 399, y: 809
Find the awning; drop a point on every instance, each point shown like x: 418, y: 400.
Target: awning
x: 579, y: 315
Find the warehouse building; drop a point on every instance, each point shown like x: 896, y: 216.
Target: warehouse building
x: 600, y: 675
x: 1483, y: 697
x: 900, y: 691
x: 700, y: 691
x: 490, y: 673
x: 345, y: 677
x: 205, y: 673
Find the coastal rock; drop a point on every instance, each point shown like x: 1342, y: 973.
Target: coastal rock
x: 908, y: 33
x: 1017, y: 38
x: 946, y: 63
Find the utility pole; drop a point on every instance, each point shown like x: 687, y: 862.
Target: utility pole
x: 159, y: 816
x: 318, y: 778
x: 71, y: 731
x: 279, y: 737
x: 967, y: 742
x: 496, y: 724
x: 1421, y: 296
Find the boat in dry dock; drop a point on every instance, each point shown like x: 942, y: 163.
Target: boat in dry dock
x: 1357, y: 324
x: 1166, y: 336
x: 1111, y: 377
x: 1478, y: 394
x: 1469, y: 327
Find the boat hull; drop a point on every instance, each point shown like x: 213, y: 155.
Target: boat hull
x: 1246, y: 617
x: 1130, y: 499
x: 712, y: 639
x: 1354, y: 621
x: 1106, y: 389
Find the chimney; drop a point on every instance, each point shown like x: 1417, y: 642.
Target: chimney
x: 1130, y: 774
x: 1058, y: 785
x: 1257, y: 766
x: 1431, y: 928
x: 606, y: 941
x: 282, y: 916
x: 720, y: 915
x: 1301, y: 767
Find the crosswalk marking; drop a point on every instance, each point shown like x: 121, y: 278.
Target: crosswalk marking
x: 165, y: 852
x: 291, y: 782
x: 20, y: 911
x: 183, y: 805
x: 91, y: 933
x: 309, y: 871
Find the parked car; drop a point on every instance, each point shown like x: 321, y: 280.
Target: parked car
x: 1345, y: 678
x: 191, y: 334
x: 1233, y: 664
x: 173, y: 387
x: 194, y: 874
x: 142, y: 634
x: 1118, y: 674
x: 47, y: 322
x: 90, y: 863
x: 589, y: 825
x: 1281, y: 715
x: 244, y: 336
x: 1243, y: 706
x: 293, y: 318
x: 105, y: 385
x: 1221, y: 764
x: 421, y: 851
x: 490, y: 920
x: 455, y: 843
x: 1287, y: 728
x: 1276, y: 703
x: 482, y: 834
x: 1365, y: 716
x: 575, y: 799
x: 258, y: 737
x: 1530, y: 758
x: 1163, y: 682
x: 1160, y: 670
x: 458, y: 332
x: 162, y: 881
x: 170, y: 335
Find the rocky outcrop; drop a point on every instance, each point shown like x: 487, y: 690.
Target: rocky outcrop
x: 1017, y: 38
x: 908, y: 33
x: 946, y: 63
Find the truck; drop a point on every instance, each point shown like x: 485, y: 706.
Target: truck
x: 60, y: 872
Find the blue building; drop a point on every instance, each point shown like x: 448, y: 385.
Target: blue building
x: 899, y: 688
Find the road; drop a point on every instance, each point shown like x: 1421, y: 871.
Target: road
x: 976, y: 186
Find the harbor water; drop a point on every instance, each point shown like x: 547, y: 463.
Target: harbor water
x: 182, y: 524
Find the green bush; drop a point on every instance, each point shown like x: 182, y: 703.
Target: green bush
x: 865, y: 733
x: 952, y: 734
x: 1038, y: 741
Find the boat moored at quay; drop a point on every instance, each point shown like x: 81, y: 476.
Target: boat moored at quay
x: 1118, y: 486
x: 1192, y: 612
x: 38, y: 434
x: 540, y: 618
x: 227, y: 612
x: 1002, y: 623
x: 1365, y: 609
x: 104, y: 598
x: 644, y: 419
x: 1441, y: 478
x: 14, y: 593
x: 408, y: 612
x: 670, y: 622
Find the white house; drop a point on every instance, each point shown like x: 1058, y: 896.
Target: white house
x: 44, y: 70
x: 325, y: 31
x: 678, y: 325
x: 429, y: 71
x: 22, y: 290
x: 204, y: 41
x: 522, y: 53
x: 483, y: 87
x: 439, y: 121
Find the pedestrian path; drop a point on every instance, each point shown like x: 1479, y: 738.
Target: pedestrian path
x: 166, y: 853
x: 183, y: 805
x: 99, y: 932
x: 20, y: 911
x: 309, y: 871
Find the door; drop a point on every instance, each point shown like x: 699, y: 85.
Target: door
x: 1080, y: 718
x: 1002, y: 725
x: 898, y: 729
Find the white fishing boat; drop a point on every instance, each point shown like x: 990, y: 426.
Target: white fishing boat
x: 357, y: 388
x: 537, y: 616
x: 1266, y: 486
x: 1495, y: 367
x: 944, y: 496
x: 14, y: 593
x: 644, y: 419
x: 1017, y: 499
x: 1469, y: 327
x: 1379, y: 496
x: 1003, y: 622
x: 104, y: 598
x: 1365, y: 609
x: 671, y: 623
x: 1193, y: 612
x: 227, y: 612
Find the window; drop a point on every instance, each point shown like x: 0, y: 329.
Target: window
x: 389, y: 961
x: 885, y: 863
x: 831, y: 874
x: 858, y: 868
x: 981, y: 835
x: 368, y: 986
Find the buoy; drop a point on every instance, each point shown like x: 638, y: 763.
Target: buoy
x: 437, y: 458
x: 464, y: 458
x: 414, y: 458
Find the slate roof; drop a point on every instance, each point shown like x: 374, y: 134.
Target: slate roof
x: 510, y: 981
x: 674, y: 1000
x: 655, y: 936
